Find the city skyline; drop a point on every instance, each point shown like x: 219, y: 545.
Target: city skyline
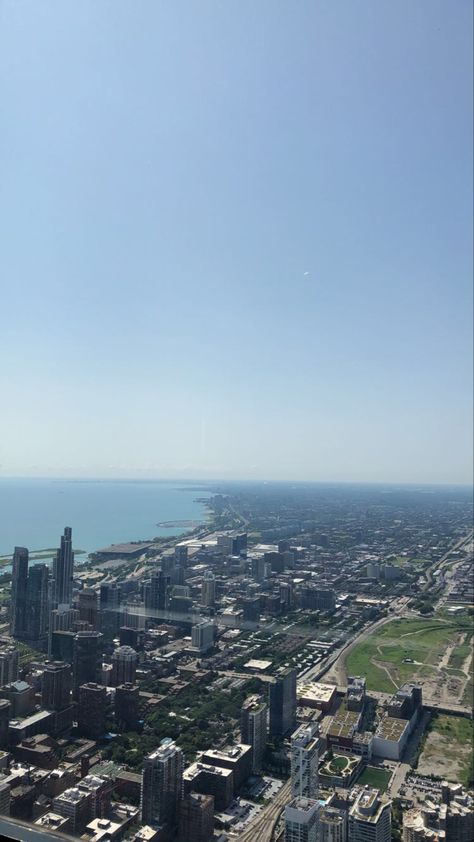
x: 237, y: 243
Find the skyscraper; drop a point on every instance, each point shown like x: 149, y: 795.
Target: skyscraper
x: 208, y: 589
x: 127, y: 706
x: 18, y: 592
x: 56, y: 685
x: 92, y: 710
x: 87, y: 658
x: 124, y: 665
x: 253, y: 728
x: 283, y: 703
x: 202, y: 636
x: 304, y: 761
x: 162, y: 784
x: 61, y: 619
x: 88, y: 606
x: 63, y: 567
x: 37, y: 604
x: 156, y: 595
x: 9, y: 659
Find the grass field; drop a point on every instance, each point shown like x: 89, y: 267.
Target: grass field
x: 447, y: 751
x: 459, y: 655
x: 381, y: 658
x: 378, y: 778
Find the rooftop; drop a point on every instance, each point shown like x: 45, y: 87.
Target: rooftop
x: 391, y: 728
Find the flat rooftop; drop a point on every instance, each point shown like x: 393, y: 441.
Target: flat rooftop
x: 391, y: 728
x: 196, y: 768
x: 255, y: 664
x: 124, y: 549
x: 313, y: 691
x: 344, y: 723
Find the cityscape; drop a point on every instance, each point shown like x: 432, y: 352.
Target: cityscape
x: 236, y: 426
x: 297, y: 668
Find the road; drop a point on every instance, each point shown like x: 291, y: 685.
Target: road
x: 263, y: 827
x: 439, y: 564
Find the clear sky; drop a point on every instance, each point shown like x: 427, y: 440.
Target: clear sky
x: 236, y: 239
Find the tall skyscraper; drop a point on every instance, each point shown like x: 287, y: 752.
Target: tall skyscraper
x: 370, y: 818
x: 202, y: 636
x: 156, y: 595
x: 283, y: 703
x: 253, y: 728
x: 162, y: 784
x: 9, y: 659
x: 92, y: 710
x: 127, y: 706
x: 304, y: 761
x: 63, y: 567
x: 124, y: 665
x: 61, y: 619
x: 37, y: 603
x: 87, y: 658
x: 18, y: 592
x: 208, y: 589
x: 56, y: 686
x: 301, y: 820
x: 88, y: 601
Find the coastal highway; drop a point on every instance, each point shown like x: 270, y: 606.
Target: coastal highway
x: 262, y: 829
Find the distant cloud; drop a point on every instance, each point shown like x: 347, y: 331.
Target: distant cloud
x: 306, y: 274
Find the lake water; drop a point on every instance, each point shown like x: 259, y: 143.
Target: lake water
x: 34, y: 512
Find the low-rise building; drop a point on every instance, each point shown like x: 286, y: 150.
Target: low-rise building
x: 391, y: 738
x: 314, y: 694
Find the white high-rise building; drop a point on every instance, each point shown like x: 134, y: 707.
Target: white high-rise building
x: 370, y: 818
x: 301, y: 820
x: 202, y: 636
x: 162, y: 784
x: 208, y: 589
x: 304, y: 761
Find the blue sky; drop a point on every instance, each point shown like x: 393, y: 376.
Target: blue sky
x: 237, y: 239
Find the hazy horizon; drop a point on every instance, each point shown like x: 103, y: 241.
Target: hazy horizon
x: 237, y: 241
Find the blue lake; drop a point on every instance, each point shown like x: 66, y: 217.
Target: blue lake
x: 34, y: 512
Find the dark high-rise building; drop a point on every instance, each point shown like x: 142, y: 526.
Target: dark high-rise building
x: 87, y: 658
x: 127, y: 710
x: 56, y: 686
x: 181, y: 554
x: 253, y: 728
x: 196, y: 818
x: 4, y: 722
x: 9, y: 660
x: 156, y: 595
x: 61, y: 619
x: 124, y: 665
x: 88, y: 606
x: 18, y: 592
x: 92, y: 710
x: 282, y: 698
x: 131, y: 637
x: 251, y: 609
x: 37, y: 603
x: 63, y: 567
x: 62, y: 645
x: 110, y: 596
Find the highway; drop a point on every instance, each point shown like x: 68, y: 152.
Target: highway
x: 262, y: 829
